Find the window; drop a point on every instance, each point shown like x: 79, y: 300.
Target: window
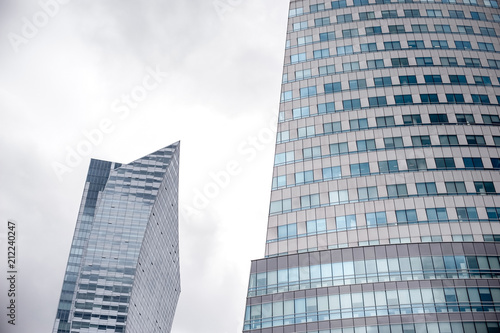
x: 473, y: 163
x: 367, y: 193
x: 472, y: 62
x: 463, y: 45
x: 480, y: 99
x: 374, y: 64
x: 326, y: 36
x: 377, y: 101
x: 350, y: 66
x: 364, y: 145
x: 439, y: 44
x: 388, y: 166
x: 465, y: 118
x: 465, y: 29
x: 429, y: 98
x: 283, y: 158
x: 456, y: 13
x: 392, y: 45
x: 333, y: 87
x: 349, y: 33
x: 326, y: 108
x: 484, y: 187
x: 448, y: 140
x: 412, y: 13
x: 278, y: 182
x: 487, y: 31
x: 322, y: 21
x: 399, y: 62
x: 317, y: 8
x: 307, y: 91
x: 493, y: 213
x: 406, y: 216
x: 416, y: 164
x: 280, y: 206
x: 491, y: 119
x: 300, y: 26
x: 332, y: 173
x: 424, y: 61
x: 396, y: 29
x: 416, y: 44
x: 394, y: 142
x: 458, y: 79
x: 403, y: 99
x: 339, y: 148
x: 312, y: 152
x: 377, y: 30
x: 373, y: 219
x: 475, y: 140
x: 478, y: 16
x: 316, y: 226
x: 346, y: 222
x: 467, y: 214
x: 436, y: 214
x: 433, y: 79
x: 384, y: 81
x: 364, y: 16
x: 339, y: 4
x: 385, y: 121
x: 369, y: 47
x: 326, y: 70
x: 397, y: 191
x: 434, y: 13
x: 426, y: 189
x: 334, y: 127
x: 491, y: 3
x: 419, y: 28
x: 412, y: 119
x: 323, y: 53
x: 309, y: 201
x: 448, y: 61
x: 351, y: 104
x: 303, y: 74
x: 389, y: 14
x: 421, y: 140
x: 304, y: 177
x: 486, y: 46
x: 495, y: 162
x: 305, y: 132
x: 283, y: 136
x: 360, y: 169
x: 482, y: 80
x: 344, y: 18
x: 491, y: 238
x: 455, y: 187
x: 438, y: 118
x: 357, y: 124
x: 286, y: 96
x: 496, y: 17
x: 300, y: 112
x: 445, y: 163
x: 342, y: 50
x: 295, y: 58
x: 445, y: 28
x: 338, y: 197
x: 455, y: 98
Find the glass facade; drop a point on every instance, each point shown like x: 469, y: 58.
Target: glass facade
x: 123, y: 268
x: 385, y: 200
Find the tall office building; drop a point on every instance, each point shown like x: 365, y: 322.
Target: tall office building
x: 384, y: 212
x: 123, y: 268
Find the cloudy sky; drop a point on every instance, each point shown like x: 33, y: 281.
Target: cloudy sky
x: 116, y: 80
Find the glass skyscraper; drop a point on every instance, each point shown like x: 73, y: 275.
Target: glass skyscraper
x: 123, y: 268
x: 384, y: 212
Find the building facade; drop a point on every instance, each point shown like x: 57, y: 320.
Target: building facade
x: 384, y: 212
x: 123, y: 268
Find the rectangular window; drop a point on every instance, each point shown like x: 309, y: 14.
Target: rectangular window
x: 445, y: 28
x: 493, y: 213
x: 369, y: 47
x: 280, y: 206
x: 351, y: 104
x: 283, y: 158
x: 478, y: 16
x: 475, y: 140
x: 433, y: 79
x: 400, y: 62
x: 438, y: 118
x: 436, y: 214
x: 374, y: 219
x: 426, y: 189
x: 364, y: 145
x: 439, y: 44
x: 305, y: 132
x: 364, y: 16
x: 367, y: 193
x: 300, y: 112
x: 360, y: 169
x: 346, y: 222
x: 326, y: 108
x: 448, y: 140
x: 495, y: 163
x: 300, y: 26
x: 338, y: 197
x: 416, y: 164
x: 455, y: 188
x: 286, y: 96
x: 278, y: 182
x: 412, y: 13
x: 377, y: 101
x: 308, y: 91
x: 312, y: 152
x: 448, y: 61
x: 473, y: 163
x: 463, y: 45
x: 350, y: 66
x: 349, y: 33
x: 480, y: 99
x: 384, y: 81
x: 465, y: 29
x: 317, y: 8
x: 416, y: 44
x: 397, y: 29
x: 445, y: 163
x: 303, y: 74
x: 333, y: 87
x: 412, y: 119
x: 394, y: 142
x: 389, y: 14
x: 472, y: 62
x: 419, y: 28
x: 424, y: 61
x: 326, y: 36
x: 482, y: 80
x: 339, y: 148
x: 339, y: 4
x: 326, y: 70
x: 467, y: 214
x: 491, y: 119
x: 322, y: 21
x: 484, y: 187
x: 397, y: 191
x: 392, y: 45
x: 429, y: 98
x: 406, y: 216
x: 343, y: 50
x: 295, y: 58
x: 323, y: 53
x: 434, y: 13
x: 385, y: 121
x: 456, y: 14
x: 491, y: 3
x: 458, y: 79
x: 421, y: 141
x: 376, y: 30
x: 344, y: 18
x: 357, y: 84
x: 388, y: 166
x: 296, y: 12
x: 332, y: 173
x: 304, y: 177
x: 496, y: 139
x: 487, y: 31
x: 455, y: 98
x: 283, y: 136
x: 309, y: 201
x: 358, y: 124
x: 486, y: 46
x: 374, y: 64
x: 304, y: 40
x: 334, y: 127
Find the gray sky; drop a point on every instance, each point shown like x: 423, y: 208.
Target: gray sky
x: 78, y: 84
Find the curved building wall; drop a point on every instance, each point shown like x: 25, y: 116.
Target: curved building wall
x: 386, y: 172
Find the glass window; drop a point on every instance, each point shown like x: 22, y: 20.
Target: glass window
x: 339, y: 4
x: 343, y: 50
x: 433, y: 79
x: 366, y: 16
x: 448, y: 61
x: 326, y: 108
x: 456, y: 13
x: 397, y: 191
x: 374, y: 64
x: 419, y: 28
x: 367, y: 193
x: 465, y: 29
x: 412, y: 13
x: 317, y: 8
x: 385, y: 121
x: 332, y: 173
x: 434, y: 13
x: 406, y: 216
x: 484, y: 187
x: 304, y: 177
x: 400, y: 62
x: 455, y: 98
x: 436, y: 214
x: 351, y: 104
x: 486, y: 46
x: 338, y: 197
x: 350, y: 66
x: 349, y: 33
x: 357, y: 84
x: 438, y: 118
x: 416, y: 164
x: 324, y: 53
x: 463, y: 45
x: 455, y: 187
x: 426, y: 188
x: 326, y: 36
x: 480, y: 99
x: 374, y: 219
x: 358, y: 124
x: 473, y: 163
x: 416, y: 44
x: 412, y: 119
x: 487, y: 31
x: 333, y: 127
x: 472, y: 62
x: 490, y: 119
x: 388, y: 166
x: 300, y: 26
x: 389, y: 14
x: 482, y: 80
x: 300, y: 112
x: 429, y: 98
x: 333, y: 87
x: 312, y: 152
x: 448, y: 140
x: 382, y: 81
x: 295, y: 58
x: 364, y: 145
x: 395, y: 142
x: 396, y: 29
x: 376, y: 30
x: 344, y: 18
x: 446, y: 163
x: 467, y: 214
x: 326, y: 70
x: 369, y: 47
x: 339, y: 148
x: 307, y: 91
x: 440, y: 44
x: 424, y: 61
x: 478, y: 16
x: 322, y: 21
x: 377, y: 101
x: 445, y: 28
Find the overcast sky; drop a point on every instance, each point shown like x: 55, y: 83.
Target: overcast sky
x: 201, y: 71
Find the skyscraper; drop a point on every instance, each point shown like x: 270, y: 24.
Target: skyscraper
x: 384, y: 212
x: 123, y: 268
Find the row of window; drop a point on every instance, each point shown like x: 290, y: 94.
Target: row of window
x: 389, y: 166
x: 372, y: 271
x: 349, y: 222
x: 370, y: 145
x: 372, y: 303
x: 393, y: 191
